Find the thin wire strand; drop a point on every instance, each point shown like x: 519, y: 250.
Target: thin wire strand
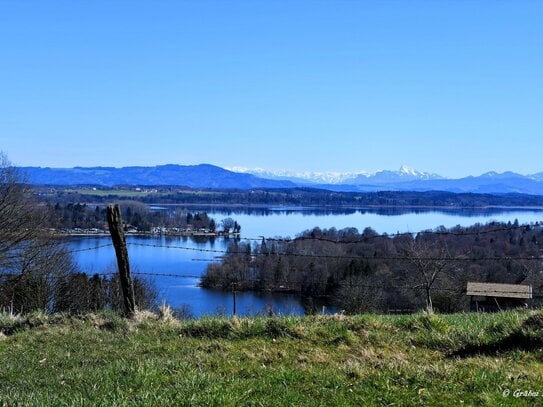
x: 344, y: 257
x: 88, y: 249
x: 299, y: 282
x: 323, y: 283
x: 398, y: 234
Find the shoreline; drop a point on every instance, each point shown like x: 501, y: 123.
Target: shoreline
x: 148, y: 234
x: 299, y: 207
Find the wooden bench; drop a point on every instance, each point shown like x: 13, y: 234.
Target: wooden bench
x: 485, y: 295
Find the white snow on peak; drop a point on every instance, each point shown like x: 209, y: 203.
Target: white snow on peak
x: 405, y: 169
x: 321, y: 177
x: 329, y: 177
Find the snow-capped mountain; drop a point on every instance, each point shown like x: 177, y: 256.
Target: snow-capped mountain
x: 406, y: 171
x: 404, y: 174
x: 309, y: 177
x: 210, y: 176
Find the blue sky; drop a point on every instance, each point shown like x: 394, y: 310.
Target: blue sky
x: 448, y: 87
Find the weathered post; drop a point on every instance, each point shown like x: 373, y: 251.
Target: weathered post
x: 234, y: 298
x: 119, y: 242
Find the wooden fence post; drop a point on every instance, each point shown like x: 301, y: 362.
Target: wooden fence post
x: 119, y: 242
x: 234, y: 286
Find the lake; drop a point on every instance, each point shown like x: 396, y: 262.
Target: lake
x: 192, y: 256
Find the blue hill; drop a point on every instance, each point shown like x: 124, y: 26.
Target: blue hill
x: 193, y: 176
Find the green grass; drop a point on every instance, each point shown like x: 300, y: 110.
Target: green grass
x: 462, y: 359
x: 122, y: 193
x: 112, y: 192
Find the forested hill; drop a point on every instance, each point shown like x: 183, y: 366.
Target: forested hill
x: 286, y: 196
x: 193, y: 176
x: 365, y: 271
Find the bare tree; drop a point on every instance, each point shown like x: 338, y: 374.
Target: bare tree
x: 20, y: 221
x: 430, y: 261
x: 33, y: 280
x: 530, y: 273
x: 228, y: 224
x: 31, y: 259
x: 358, y: 294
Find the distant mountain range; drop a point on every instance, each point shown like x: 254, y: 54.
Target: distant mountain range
x: 410, y: 179
x: 210, y: 176
x: 405, y: 173
x: 192, y: 176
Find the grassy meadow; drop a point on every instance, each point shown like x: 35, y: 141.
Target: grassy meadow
x: 154, y: 359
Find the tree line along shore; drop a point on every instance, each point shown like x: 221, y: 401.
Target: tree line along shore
x: 368, y: 272
x: 81, y: 219
x: 283, y: 197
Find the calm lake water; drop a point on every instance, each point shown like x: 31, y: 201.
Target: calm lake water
x: 269, y: 222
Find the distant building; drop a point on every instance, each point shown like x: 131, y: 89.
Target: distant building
x: 491, y: 297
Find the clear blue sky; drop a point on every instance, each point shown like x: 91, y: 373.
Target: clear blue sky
x: 452, y: 87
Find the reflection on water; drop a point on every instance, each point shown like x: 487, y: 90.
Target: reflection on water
x: 269, y: 222
x: 289, y: 222
x: 324, y: 211
x: 183, y: 291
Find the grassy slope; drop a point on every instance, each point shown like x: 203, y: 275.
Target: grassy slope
x: 363, y: 360
x: 108, y: 192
